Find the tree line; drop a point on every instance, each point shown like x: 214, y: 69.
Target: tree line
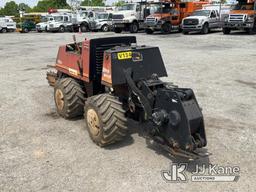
x: 11, y: 8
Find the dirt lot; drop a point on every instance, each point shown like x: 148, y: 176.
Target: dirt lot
x: 39, y: 151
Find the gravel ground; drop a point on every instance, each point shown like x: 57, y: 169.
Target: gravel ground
x: 39, y: 151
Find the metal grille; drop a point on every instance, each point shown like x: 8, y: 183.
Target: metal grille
x: 190, y: 22
x: 118, y: 16
x: 150, y: 19
x: 99, y: 56
x: 237, y: 18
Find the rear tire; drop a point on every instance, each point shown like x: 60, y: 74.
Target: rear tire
x: 226, y: 31
x: 69, y: 98
x: 117, y: 30
x: 134, y: 27
x: 105, y: 119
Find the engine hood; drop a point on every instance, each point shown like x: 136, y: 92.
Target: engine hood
x: 126, y: 13
x: 197, y: 17
x: 42, y: 23
x: 158, y: 15
x: 248, y: 12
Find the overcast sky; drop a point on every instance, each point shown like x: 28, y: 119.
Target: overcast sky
x: 34, y: 2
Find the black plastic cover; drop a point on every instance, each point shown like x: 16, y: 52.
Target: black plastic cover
x: 143, y: 61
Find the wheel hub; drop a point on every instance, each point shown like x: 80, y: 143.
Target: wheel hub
x: 59, y: 99
x: 93, y: 122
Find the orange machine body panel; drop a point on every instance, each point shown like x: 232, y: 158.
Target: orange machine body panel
x: 106, y: 70
x: 70, y: 62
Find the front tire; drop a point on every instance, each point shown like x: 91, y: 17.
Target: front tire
x: 252, y: 31
x: 134, y: 27
x: 69, y: 98
x: 205, y: 29
x: 105, y: 119
x: 4, y: 30
x: 149, y: 31
x: 62, y: 29
x: 226, y: 31
x: 185, y: 32
x: 25, y: 30
x: 84, y: 28
x: 166, y: 28
x: 105, y: 28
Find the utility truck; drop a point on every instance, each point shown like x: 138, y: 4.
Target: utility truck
x: 202, y: 20
x: 61, y: 22
x: 168, y: 15
x: 101, y: 22
x: 42, y: 26
x: 243, y: 16
x: 81, y: 20
x: 7, y: 25
x: 130, y: 17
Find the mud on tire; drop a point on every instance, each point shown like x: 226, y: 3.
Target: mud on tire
x: 69, y: 98
x: 105, y: 119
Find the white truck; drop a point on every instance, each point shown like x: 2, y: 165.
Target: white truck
x: 42, y: 26
x: 102, y: 21
x: 60, y: 23
x: 129, y: 17
x: 7, y: 25
x: 81, y: 19
x: 202, y: 20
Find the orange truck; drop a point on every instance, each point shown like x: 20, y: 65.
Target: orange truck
x: 168, y: 15
x: 243, y: 16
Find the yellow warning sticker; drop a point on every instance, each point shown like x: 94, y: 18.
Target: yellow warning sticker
x: 124, y: 55
x: 72, y: 71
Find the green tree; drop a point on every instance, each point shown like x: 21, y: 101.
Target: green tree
x: 25, y: 7
x: 93, y: 3
x: 44, y: 5
x: 1, y: 12
x: 119, y: 3
x: 60, y: 3
x: 10, y: 8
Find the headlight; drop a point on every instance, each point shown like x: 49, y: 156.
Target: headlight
x: 126, y: 21
x: 201, y: 22
x: 226, y: 18
x: 250, y: 18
